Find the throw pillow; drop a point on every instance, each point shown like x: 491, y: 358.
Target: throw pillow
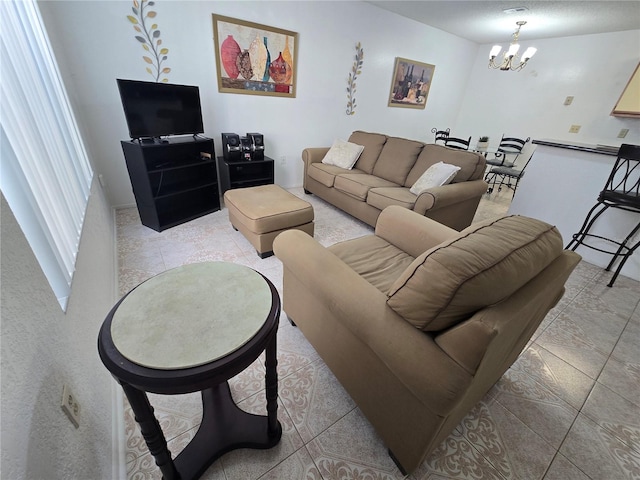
x: 343, y: 154
x: 436, y: 175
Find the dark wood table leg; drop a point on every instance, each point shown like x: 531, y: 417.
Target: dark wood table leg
x: 151, y: 431
x: 271, y: 386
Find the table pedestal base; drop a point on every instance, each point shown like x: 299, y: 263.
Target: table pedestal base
x: 224, y: 427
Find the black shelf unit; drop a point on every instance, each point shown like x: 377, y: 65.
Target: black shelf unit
x: 244, y: 173
x: 173, y: 181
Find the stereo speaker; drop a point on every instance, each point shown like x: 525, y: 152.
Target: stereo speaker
x: 231, y: 148
x: 257, y: 145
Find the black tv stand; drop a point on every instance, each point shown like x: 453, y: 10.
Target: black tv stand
x: 174, y: 181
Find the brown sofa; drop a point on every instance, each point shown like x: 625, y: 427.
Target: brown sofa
x: 384, y: 173
x: 418, y: 321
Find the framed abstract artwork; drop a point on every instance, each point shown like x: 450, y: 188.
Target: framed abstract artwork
x: 410, y: 83
x: 254, y: 59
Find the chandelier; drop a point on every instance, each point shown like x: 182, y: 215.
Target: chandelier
x: 509, y: 58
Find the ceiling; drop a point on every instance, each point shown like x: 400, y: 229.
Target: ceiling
x: 485, y: 22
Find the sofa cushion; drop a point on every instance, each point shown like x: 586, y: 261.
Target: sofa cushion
x: 471, y: 164
x: 436, y: 175
x: 326, y: 174
x: 343, y: 154
x: 382, y: 197
x: 358, y: 185
x: 374, y: 259
x: 484, y: 265
x: 372, y: 143
x: 396, y: 159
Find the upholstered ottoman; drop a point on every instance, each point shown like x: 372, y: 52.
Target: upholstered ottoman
x: 261, y: 213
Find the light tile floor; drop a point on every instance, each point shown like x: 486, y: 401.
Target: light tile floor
x: 569, y: 408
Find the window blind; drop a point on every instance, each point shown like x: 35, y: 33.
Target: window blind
x: 46, y: 174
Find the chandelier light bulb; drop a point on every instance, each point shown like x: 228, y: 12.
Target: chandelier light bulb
x: 495, y: 51
x: 528, y: 53
x: 513, y: 49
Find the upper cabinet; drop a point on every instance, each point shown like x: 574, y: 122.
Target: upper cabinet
x: 629, y: 103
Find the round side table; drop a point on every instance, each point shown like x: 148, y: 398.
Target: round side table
x: 190, y: 329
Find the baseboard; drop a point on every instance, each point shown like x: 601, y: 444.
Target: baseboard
x: 118, y: 436
x: 118, y: 440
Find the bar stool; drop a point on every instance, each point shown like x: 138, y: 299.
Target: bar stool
x: 620, y: 191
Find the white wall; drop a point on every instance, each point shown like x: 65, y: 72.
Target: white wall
x: 95, y: 44
x: 593, y: 68
x: 43, y: 348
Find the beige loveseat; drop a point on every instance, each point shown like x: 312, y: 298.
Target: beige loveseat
x: 387, y: 169
x: 418, y: 321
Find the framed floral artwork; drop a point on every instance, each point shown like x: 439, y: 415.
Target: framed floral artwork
x: 254, y: 59
x: 410, y: 83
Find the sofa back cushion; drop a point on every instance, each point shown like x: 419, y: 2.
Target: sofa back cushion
x: 372, y: 143
x: 396, y: 159
x: 482, y: 266
x: 471, y: 164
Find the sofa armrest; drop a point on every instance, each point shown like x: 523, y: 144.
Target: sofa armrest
x: 410, y: 232
x: 410, y: 354
x: 445, y: 195
x: 313, y: 155
x: 309, y: 156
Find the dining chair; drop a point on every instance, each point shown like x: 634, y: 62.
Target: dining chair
x: 457, y: 143
x: 505, y: 176
x: 440, y: 135
x: 507, y: 152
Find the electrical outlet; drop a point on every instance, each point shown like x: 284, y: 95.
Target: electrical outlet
x: 574, y: 129
x: 623, y: 133
x: 568, y: 100
x: 283, y: 160
x: 70, y: 406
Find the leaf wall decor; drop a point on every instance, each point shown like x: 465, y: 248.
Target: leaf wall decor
x: 149, y: 39
x: 351, y: 83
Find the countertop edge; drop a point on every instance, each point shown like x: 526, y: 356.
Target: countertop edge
x: 581, y: 147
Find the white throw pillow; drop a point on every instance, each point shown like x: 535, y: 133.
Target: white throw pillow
x: 343, y: 154
x: 437, y: 174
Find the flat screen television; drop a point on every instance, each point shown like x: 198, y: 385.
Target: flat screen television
x: 160, y: 109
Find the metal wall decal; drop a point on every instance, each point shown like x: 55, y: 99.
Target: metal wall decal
x: 149, y: 38
x: 351, y: 85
